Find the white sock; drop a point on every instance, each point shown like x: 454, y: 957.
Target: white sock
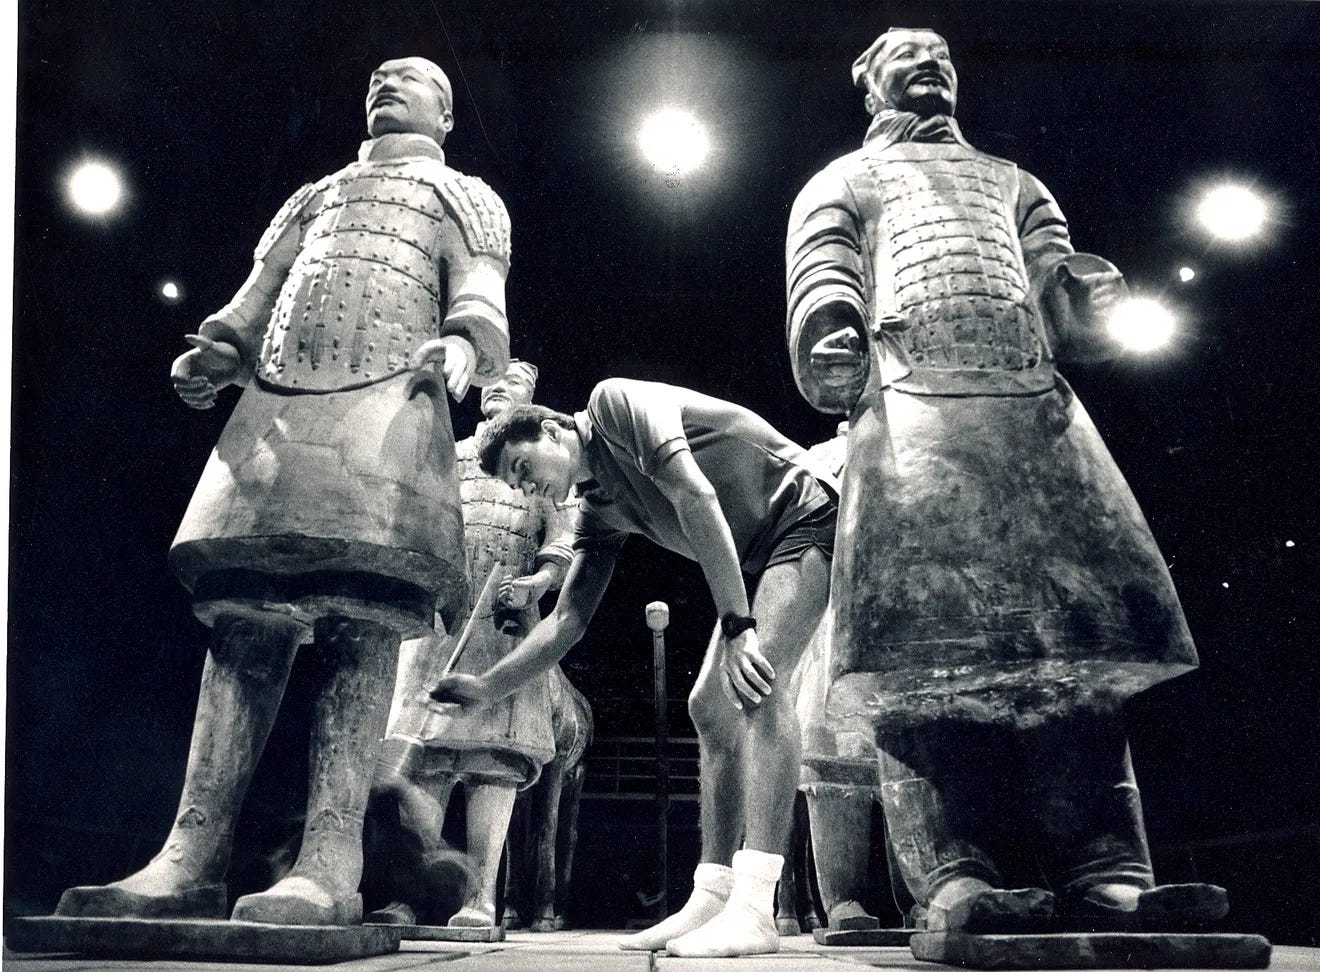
x: 711, y: 884
x: 746, y: 925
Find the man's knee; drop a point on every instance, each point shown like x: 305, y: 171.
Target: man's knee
x: 711, y: 715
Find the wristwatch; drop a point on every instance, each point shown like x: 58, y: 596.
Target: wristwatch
x: 735, y: 624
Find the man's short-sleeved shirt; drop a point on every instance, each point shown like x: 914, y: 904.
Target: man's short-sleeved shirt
x: 631, y: 428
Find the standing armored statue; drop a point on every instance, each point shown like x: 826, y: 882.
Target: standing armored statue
x: 526, y: 541
x: 997, y: 592
x: 329, y: 509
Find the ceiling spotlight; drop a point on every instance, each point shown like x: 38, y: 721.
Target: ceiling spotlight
x: 1141, y: 324
x: 673, y: 141
x: 1289, y: 543
x: 94, y: 188
x: 1232, y: 212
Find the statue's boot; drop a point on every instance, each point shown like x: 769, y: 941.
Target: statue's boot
x: 1168, y: 907
x: 840, y: 816
x: 489, y: 807
x: 942, y: 804
x: 359, y: 659
x: 243, y: 681
x: 394, y: 913
x: 972, y: 907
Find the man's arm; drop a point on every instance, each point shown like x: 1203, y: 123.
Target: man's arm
x: 548, y: 642
x: 680, y: 479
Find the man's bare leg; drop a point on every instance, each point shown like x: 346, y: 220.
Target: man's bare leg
x: 720, y: 741
x: 789, y: 602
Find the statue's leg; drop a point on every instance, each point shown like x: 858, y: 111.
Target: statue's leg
x: 489, y: 807
x: 545, y: 828
x: 786, y: 893
x: 518, y: 857
x: 840, y: 816
x: 359, y: 659
x: 938, y: 784
x: 1094, y: 838
x: 243, y: 681
x: 809, y: 914
x: 788, y: 605
x: 566, y: 841
x: 426, y: 868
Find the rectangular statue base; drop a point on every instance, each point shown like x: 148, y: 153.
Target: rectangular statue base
x: 863, y: 937
x: 445, y: 933
x: 1100, y: 950
x: 201, y: 939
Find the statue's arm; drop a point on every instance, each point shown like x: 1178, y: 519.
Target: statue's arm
x: 556, y: 551
x: 827, y: 287
x: 1074, y: 291
x: 478, y: 252
x: 242, y: 322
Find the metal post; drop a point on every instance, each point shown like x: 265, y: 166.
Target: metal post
x: 657, y: 619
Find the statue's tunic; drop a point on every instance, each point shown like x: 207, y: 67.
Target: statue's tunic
x: 993, y: 564
x: 515, y: 535
x: 332, y: 488
x: 834, y: 751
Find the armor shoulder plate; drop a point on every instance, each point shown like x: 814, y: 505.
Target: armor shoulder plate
x: 480, y: 214
x: 290, y: 213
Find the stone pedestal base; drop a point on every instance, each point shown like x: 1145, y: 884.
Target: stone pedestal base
x: 863, y: 937
x: 445, y: 933
x: 1108, y: 950
x: 201, y: 939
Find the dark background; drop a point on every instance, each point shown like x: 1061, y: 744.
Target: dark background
x: 216, y: 111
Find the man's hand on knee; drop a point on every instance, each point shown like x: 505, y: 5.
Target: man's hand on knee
x: 748, y: 676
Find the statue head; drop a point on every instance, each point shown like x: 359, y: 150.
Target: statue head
x: 908, y: 69
x: 410, y: 94
x: 516, y: 388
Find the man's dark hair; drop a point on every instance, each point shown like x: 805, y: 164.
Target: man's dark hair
x: 520, y: 423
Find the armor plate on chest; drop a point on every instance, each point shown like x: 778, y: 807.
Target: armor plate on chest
x: 501, y: 524
x: 366, y: 289
x: 957, y: 269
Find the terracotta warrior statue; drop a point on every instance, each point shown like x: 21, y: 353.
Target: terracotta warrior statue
x: 329, y: 509
x: 526, y: 541
x: 997, y: 592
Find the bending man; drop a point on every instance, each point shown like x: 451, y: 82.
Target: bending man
x: 716, y: 483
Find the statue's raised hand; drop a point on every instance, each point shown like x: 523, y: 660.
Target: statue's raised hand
x: 458, y: 361
x: 200, y: 373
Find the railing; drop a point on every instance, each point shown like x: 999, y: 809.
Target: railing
x: 624, y: 768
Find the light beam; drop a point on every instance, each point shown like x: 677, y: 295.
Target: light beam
x: 94, y: 188
x: 1141, y: 324
x: 673, y: 141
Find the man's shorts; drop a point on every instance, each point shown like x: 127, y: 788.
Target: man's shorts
x: 816, y: 529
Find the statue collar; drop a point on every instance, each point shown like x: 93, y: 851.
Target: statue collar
x: 400, y: 145
x: 891, y: 126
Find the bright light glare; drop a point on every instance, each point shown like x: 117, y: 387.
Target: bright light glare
x: 1141, y: 324
x: 1232, y: 212
x: 1186, y: 274
x: 673, y: 141
x: 169, y: 290
x: 94, y: 188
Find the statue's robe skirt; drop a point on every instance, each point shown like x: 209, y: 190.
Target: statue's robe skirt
x: 993, y: 565
x: 510, y: 534
x: 343, y: 502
